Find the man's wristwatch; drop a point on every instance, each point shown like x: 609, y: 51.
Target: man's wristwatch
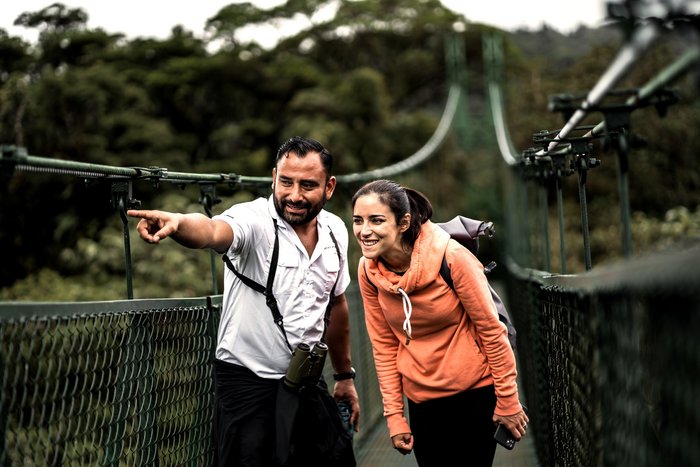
x: 343, y: 376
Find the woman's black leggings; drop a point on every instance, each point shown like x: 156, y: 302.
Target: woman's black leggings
x: 456, y: 430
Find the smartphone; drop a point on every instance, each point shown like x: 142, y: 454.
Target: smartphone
x: 345, y: 414
x: 504, y: 437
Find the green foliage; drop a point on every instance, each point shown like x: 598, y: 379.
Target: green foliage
x: 370, y: 83
x: 677, y: 227
x: 55, y: 17
x: 14, y: 55
x: 74, y: 47
x: 232, y: 17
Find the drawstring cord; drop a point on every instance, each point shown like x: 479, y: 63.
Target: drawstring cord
x: 407, y: 310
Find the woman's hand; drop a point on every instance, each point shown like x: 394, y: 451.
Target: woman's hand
x: 403, y: 442
x: 516, y: 424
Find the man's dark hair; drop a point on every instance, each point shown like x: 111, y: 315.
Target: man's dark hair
x: 302, y: 146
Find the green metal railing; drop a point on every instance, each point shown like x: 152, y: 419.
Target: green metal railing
x: 568, y: 151
x: 562, y: 155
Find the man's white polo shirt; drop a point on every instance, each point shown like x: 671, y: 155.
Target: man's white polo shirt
x: 247, y: 334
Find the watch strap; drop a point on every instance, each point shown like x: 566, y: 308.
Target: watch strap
x: 343, y: 376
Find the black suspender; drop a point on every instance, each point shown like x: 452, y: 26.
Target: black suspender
x: 329, y: 307
x: 270, y: 299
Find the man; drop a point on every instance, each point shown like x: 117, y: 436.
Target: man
x: 253, y: 352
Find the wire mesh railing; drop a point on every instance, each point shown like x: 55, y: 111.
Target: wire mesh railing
x: 609, y: 361
x: 607, y: 357
x: 107, y: 383
x: 126, y: 382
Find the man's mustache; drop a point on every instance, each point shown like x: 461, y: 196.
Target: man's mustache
x: 296, y: 205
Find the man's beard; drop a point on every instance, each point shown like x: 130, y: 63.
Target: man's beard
x: 312, y: 210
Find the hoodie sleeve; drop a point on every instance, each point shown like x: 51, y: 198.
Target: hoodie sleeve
x: 385, y: 346
x: 473, y: 290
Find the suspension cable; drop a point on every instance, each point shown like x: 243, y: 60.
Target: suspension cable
x: 419, y: 156
x: 20, y: 160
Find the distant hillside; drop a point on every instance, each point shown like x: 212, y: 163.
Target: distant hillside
x: 562, y: 50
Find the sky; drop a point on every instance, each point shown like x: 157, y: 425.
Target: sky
x: 143, y: 18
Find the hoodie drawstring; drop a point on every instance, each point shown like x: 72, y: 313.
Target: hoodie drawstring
x: 407, y: 310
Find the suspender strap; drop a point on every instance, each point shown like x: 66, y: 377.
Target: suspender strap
x: 270, y: 299
x: 246, y: 280
x: 329, y: 307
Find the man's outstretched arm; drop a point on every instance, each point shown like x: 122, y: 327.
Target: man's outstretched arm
x: 191, y: 230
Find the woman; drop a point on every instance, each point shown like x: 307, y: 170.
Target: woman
x: 446, y: 351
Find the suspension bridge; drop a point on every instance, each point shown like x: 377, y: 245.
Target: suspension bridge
x: 608, y: 357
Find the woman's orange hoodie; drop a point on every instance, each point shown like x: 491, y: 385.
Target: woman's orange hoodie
x: 457, y: 344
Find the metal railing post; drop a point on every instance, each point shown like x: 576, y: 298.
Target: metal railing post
x: 544, y: 206
x: 624, y: 193
x: 208, y: 199
x: 121, y: 201
x: 583, y: 164
x: 560, y: 215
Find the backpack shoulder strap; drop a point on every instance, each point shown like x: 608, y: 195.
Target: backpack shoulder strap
x: 503, y: 314
x: 446, y: 274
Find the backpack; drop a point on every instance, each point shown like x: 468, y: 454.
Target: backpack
x: 467, y: 232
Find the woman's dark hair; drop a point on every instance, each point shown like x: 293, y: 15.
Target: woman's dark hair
x: 400, y: 201
x: 302, y: 146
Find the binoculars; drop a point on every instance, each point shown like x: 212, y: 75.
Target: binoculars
x: 306, y: 365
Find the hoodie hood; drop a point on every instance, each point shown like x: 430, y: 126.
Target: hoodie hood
x: 428, y: 251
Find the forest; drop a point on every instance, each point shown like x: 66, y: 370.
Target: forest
x: 370, y: 84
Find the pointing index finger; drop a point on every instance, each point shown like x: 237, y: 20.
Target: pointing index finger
x: 142, y: 214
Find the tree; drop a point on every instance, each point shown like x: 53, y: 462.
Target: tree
x: 14, y: 55
x: 55, y: 17
x: 224, y: 25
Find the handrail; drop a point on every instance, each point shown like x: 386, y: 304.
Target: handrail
x: 565, y: 154
x: 16, y: 158
x: 25, y: 162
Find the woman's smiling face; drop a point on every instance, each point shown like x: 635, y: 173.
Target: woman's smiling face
x: 376, y: 228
